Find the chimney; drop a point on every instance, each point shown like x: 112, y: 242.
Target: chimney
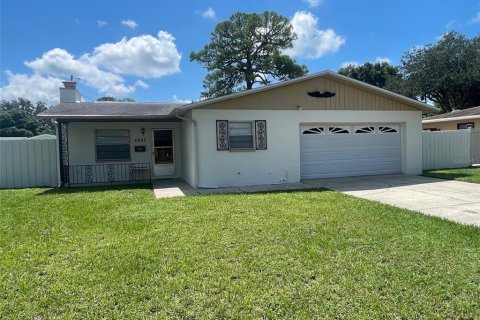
x: 69, y: 92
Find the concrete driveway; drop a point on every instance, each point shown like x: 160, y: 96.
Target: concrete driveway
x: 453, y: 200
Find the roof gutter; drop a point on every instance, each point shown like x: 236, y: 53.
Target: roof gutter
x: 100, y: 116
x: 452, y: 119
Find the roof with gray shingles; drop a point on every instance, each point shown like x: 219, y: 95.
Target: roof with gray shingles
x: 456, y: 114
x: 111, y: 109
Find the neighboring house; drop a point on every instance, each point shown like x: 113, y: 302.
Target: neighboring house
x: 317, y: 126
x: 455, y: 120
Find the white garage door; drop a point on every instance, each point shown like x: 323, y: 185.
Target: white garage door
x: 339, y: 150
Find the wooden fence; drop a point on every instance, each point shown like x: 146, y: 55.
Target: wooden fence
x: 28, y: 163
x: 450, y: 149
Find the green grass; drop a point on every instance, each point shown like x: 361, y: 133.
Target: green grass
x: 471, y: 174
x: 98, y: 253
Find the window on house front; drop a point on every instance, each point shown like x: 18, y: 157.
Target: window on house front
x: 466, y: 125
x: 112, y: 144
x: 240, y: 135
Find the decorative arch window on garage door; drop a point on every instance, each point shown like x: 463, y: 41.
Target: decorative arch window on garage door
x: 338, y: 130
x: 315, y: 130
x: 365, y: 130
x: 241, y: 135
x: 387, y: 129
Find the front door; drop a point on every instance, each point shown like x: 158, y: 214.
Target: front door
x: 163, y: 159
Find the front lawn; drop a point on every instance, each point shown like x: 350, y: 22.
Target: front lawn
x: 471, y: 174
x: 97, y: 253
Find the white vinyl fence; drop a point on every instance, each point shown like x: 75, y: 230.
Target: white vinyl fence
x: 450, y: 149
x: 475, y: 146
x: 28, y: 163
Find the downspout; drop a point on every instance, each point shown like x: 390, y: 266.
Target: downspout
x: 195, y: 141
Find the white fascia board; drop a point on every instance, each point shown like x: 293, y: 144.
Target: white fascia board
x: 474, y: 117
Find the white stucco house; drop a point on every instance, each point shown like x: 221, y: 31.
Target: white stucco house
x: 317, y: 126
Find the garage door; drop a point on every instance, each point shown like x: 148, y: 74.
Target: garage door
x: 339, y: 150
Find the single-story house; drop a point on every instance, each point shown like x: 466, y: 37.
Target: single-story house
x: 455, y: 120
x: 317, y: 126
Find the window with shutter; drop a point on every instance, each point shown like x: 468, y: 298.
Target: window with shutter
x: 241, y: 135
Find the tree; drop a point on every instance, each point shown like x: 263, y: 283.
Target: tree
x: 447, y: 72
x: 18, y: 118
x: 106, y: 98
x: 246, y: 50
x: 112, y: 99
x: 377, y: 74
x: 383, y: 75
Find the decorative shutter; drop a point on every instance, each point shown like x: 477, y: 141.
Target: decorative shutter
x: 222, y: 135
x: 261, y: 134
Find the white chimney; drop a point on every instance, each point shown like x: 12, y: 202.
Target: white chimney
x: 69, y: 92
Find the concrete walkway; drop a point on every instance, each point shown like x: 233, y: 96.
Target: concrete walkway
x: 453, y: 200
x: 179, y: 188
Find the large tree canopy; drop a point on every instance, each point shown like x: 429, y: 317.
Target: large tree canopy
x: 447, y: 72
x: 381, y: 74
x: 246, y: 50
x: 377, y: 74
x: 18, y: 118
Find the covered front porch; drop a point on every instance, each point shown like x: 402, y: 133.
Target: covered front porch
x: 112, y: 152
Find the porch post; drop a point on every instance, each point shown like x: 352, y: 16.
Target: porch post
x: 63, y: 152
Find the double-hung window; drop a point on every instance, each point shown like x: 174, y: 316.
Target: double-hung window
x: 112, y: 144
x: 241, y: 135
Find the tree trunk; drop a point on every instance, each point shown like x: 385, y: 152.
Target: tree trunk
x: 249, y: 73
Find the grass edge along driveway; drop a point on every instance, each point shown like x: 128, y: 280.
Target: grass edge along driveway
x: 119, y: 253
x: 470, y: 174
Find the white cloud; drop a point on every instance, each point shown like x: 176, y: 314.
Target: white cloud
x: 102, y: 23
x: 141, y: 84
x: 144, y: 56
x: 34, y: 87
x: 356, y: 63
x: 175, y: 99
x: 475, y: 19
x: 58, y: 62
x: 349, y: 63
x: 312, y: 42
x: 313, y: 3
x: 129, y: 23
x: 382, y: 60
x: 104, y: 69
x: 208, y: 14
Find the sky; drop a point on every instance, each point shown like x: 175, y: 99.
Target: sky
x: 140, y: 49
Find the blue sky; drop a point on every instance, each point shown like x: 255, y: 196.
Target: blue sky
x: 140, y: 49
